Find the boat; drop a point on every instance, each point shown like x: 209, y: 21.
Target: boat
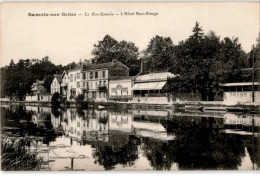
x: 101, y: 107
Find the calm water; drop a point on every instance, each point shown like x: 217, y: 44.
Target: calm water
x: 136, y: 139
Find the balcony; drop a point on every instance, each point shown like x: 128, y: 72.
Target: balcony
x: 102, y: 87
x: 85, y: 87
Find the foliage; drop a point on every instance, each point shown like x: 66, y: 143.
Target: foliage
x: 55, y: 100
x: 159, y: 54
x: 109, y: 49
x: 15, y: 155
x: 56, y: 112
x: 203, y: 63
x: 18, y: 78
x: 80, y: 101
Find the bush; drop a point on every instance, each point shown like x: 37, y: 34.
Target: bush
x: 55, y: 100
x: 15, y: 156
x: 80, y: 101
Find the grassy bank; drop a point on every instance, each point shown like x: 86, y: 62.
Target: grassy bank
x: 15, y: 155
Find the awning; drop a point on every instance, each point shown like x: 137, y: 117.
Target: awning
x: 149, y: 86
x: 241, y: 84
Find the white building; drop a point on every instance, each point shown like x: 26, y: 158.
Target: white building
x: 120, y: 88
x: 74, y: 76
x: 241, y: 93
x: 96, y: 77
x: 56, y: 84
x: 152, y: 87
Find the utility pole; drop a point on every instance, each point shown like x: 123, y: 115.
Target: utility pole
x: 253, y: 77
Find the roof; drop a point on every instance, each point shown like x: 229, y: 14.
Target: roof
x: 98, y: 66
x: 240, y: 84
x: 121, y: 77
x: 63, y: 73
x: 149, y: 86
x: 102, y: 65
x: 58, y: 77
x: 155, y: 77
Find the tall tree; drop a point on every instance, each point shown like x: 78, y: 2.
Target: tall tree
x: 19, y: 77
x: 109, y: 49
x: 204, y: 62
x: 159, y: 54
x: 106, y: 50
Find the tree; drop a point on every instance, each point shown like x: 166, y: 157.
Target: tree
x: 203, y: 63
x: 109, y: 49
x: 159, y: 54
x: 18, y: 78
x: 197, y: 32
x: 80, y: 101
x: 55, y: 100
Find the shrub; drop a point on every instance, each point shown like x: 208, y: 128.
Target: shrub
x: 80, y: 101
x: 15, y: 156
x: 55, y: 100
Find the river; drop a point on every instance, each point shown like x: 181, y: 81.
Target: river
x: 72, y: 139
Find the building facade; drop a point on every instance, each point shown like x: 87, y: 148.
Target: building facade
x: 96, y: 77
x: 120, y: 88
x: 56, y: 84
x: 74, y: 80
x: 152, y: 87
x: 241, y: 93
x: 38, y: 90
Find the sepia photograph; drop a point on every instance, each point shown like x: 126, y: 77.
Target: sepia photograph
x: 130, y: 86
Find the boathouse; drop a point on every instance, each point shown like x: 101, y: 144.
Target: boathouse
x: 152, y: 88
x: 241, y: 93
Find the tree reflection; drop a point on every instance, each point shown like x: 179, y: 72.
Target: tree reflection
x: 55, y: 111
x: 22, y: 124
x: 199, y: 146
x: 159, y: 153
x: 121, y: 149
x: 253, y: 148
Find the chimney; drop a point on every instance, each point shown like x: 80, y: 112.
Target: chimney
x: 141, y: 66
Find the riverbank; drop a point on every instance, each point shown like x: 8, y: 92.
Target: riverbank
x: 188, y: 105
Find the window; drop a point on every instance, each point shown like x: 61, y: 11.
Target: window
x: 226, y: 89
x: 96, y: 75
x: 84, y: 76
x: 84, y: 84
x: 239, y: 88
x: 71, y: 78
x: 247, y: 88
x: 74, y: 77
x: 78, y: 84
x: 91, y: 75
x: 78, y: 75
x: 233, y: 88
x: 104, y: 74
x: 104, y: 82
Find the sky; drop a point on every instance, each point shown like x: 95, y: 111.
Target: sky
x: 70, y: 38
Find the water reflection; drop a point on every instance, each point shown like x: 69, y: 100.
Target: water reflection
x: 136, y: 139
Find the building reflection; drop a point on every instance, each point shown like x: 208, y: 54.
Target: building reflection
x: 186, y: 139
x: 191, y: 140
